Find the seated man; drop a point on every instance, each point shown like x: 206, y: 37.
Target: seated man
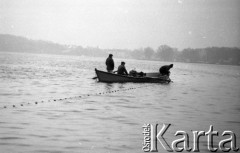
x: 122, y: 70
x: 164, y: 70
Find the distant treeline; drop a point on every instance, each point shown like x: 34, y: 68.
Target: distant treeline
x: 211, y: 55
x: 10, y: 43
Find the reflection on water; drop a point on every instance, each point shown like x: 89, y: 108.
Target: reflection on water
x: 108, y: 87
x: 201, y: 95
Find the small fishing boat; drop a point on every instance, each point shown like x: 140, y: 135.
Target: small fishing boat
x: 149, y: 78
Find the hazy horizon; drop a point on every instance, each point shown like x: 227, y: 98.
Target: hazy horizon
x: 125, y: 24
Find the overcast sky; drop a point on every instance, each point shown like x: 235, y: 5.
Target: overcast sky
x: 125, y: 23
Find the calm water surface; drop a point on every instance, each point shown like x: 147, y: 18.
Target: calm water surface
x: 200, y: 95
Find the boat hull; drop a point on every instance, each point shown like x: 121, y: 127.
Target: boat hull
x: 111, y: 77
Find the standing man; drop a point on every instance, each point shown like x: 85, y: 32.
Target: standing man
x: 110, y: 63
x: 165, y: 70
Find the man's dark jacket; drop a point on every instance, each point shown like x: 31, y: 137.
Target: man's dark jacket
x: 110, y: 63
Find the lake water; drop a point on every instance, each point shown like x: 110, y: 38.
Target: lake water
x: 50, y: 103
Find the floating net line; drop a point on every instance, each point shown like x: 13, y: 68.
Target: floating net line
x: 68, y: 98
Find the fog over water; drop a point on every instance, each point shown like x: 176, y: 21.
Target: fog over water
x: 125, y: 24
x: 49, y: 101
x: 200, y: 95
